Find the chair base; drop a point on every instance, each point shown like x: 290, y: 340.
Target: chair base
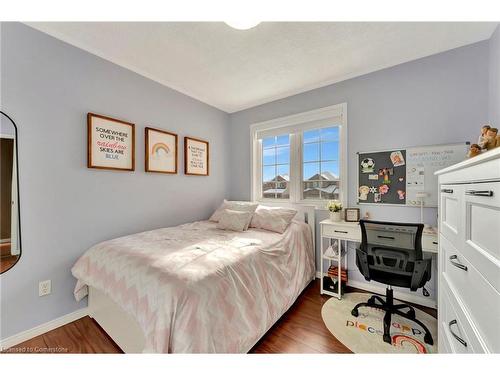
x: 390, y: 308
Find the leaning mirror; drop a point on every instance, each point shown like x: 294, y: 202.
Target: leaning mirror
x: 10, y: 228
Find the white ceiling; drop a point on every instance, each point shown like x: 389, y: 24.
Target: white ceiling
x: 234, y: 69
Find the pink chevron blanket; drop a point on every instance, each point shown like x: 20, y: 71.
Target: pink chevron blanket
x: 197, y: 289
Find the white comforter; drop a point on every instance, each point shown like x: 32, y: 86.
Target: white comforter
x: 194, y: 288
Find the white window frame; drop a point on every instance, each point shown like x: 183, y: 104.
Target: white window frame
x: 319, y: 118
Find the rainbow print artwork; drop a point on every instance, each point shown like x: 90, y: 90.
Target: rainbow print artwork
x: 157, y: 147
x: 161, y: 151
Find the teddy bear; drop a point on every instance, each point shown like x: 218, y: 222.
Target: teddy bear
x: 481, y: 142
x: 492, y: 139
x: 474, y: 150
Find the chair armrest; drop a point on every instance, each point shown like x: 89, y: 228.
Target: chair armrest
x: 362, y: 263
x: 421, y: 274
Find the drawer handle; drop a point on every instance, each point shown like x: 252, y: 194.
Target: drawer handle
x: 386, y: 237
x: 340, y: 231
x: 457, y: 264
x: 434, y: 242
x: 480, y: 193
x: 449, y: 191
x: 458, y: 338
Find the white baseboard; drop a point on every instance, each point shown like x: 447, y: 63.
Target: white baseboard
x: 407, y: 297
x: 42, y: 328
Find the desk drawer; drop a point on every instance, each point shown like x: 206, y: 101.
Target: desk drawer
x: 479, y: 297
x: 342, y: 231
x: 454, y: 325
x: 429, y: 243
x: 392, y: 239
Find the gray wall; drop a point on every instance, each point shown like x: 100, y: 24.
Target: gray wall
x: 494, y: 94
x: 48, y: 87
x: 438, y: 99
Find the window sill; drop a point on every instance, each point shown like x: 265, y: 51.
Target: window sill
x: 318, y: 205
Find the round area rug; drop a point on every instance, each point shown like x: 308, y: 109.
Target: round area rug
x: 363, y: 334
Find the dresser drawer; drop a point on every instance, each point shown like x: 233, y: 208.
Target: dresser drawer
x: 479, y: 298
x: 451, y: 213
x: 444, y: 345
x: 458, y: 332
x: 482, y: 229
x: 342, y: 231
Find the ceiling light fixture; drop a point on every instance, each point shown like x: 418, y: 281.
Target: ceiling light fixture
x: 242, y: 24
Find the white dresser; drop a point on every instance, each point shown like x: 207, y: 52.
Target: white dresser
x: 469, y: 256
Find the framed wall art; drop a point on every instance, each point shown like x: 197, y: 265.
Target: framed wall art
x: 351, y: 214
x: 161, y: 151
x: 196, y: 157
x: 110, y: 143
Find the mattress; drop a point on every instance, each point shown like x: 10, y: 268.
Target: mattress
x: 198, y: 289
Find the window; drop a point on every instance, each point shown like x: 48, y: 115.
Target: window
x: 320, y: 162
x: 276, y: 167
x: 301, y: 158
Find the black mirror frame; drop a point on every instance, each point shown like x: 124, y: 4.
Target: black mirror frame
x: 18, y: 195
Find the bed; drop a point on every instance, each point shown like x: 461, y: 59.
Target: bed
x: 194, y: 288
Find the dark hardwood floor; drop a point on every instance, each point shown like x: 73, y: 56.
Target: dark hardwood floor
x: 81, y: 336
x: 300, y: 330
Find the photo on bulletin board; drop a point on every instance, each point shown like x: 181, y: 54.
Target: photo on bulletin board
x: 110, y: 143
x: 196, y: 157
x: 381, y: 177
x: 161, y: 151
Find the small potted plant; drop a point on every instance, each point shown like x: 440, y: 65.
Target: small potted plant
x: 335, y: 208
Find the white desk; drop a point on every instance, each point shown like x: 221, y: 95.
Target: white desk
x: 346, y: 231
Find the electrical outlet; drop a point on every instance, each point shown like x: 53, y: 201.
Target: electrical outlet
x: 44, y: 288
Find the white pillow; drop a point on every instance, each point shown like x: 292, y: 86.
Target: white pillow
x: 235, y: 206
x: 274, y: 219
x: 234, y: 220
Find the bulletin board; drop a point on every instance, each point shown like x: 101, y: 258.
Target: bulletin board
x: 395, y: 177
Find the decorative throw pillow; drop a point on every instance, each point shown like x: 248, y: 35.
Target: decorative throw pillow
x: 235, y: 206
x: 234, y: 220
x: 274, y: 219
x: 218, y: 212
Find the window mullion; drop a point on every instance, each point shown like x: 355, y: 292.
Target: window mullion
x: 295, y: 166
x: 290, y: 168
x: 258, y: 169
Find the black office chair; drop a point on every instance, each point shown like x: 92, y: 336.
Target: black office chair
x: 391, y: 253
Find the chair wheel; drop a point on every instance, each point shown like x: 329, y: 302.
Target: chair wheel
x: 411, y: 314
x: 428, y: 339
x: 354, y: 312
x: 388, y: 339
